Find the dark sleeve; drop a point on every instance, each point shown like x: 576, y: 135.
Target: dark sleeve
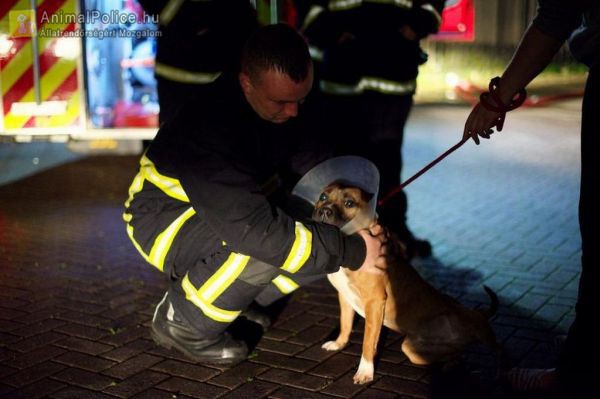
x: 558, y: 18
x: 426, y: 17
x: 318, y: 27
x: 227, y: 197
x: 153, y: 6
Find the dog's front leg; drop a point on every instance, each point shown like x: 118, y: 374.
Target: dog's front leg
x: 374, y: 302
x: 346, y: 319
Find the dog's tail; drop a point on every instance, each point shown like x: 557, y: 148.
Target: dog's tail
x: 491, y: 311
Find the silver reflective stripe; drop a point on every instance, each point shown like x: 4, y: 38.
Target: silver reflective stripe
x: 432, y: 10
x: 339, y: 5
x: 168, y: 13
x: 183, y: 76
x: 369, y: 83
x: 339, y: 88
x: 315, y: 53
x: 397, y: 3
x: 301, y: 249
x: 387, y: 86
x: 285, y: 284
x: 312, y: 14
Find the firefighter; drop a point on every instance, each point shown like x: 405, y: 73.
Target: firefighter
x: 369, y: 55
x: 199, y: 40
x: 208, y: 206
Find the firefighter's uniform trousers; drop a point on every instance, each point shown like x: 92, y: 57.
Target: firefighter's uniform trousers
x: 209, y: 294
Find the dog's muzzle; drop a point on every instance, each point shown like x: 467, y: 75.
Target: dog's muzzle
x: 327, y: 214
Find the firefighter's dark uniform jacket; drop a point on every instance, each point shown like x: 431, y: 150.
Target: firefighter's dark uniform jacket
x: 199, y: 39
x: 205, y: 207
x: 360, y: 44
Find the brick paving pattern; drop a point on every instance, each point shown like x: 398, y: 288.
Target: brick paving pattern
x: 76, y: 299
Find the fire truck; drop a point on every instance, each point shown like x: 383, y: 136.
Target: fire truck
x: 84, y: 69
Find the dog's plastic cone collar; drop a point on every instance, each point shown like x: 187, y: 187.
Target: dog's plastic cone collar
x: 350, y: 169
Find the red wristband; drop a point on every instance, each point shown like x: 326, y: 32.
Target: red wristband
x: 492, y: 102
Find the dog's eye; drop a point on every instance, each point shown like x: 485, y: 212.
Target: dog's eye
x: 349, y: 203
x: 323, y: 197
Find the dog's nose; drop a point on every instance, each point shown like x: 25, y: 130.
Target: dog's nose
x: 325, y: 213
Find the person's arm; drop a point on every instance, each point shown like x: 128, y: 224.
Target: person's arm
x: 534, y: 53
x: 553, y: 24
x: 228, y: 199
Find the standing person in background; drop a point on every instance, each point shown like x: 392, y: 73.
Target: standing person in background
x: 199, y: 40
x: 367, y: 55
x: 579, y: 22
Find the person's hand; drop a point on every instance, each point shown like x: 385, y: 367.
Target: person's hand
x: 480, y: 123
x: 375, y: 259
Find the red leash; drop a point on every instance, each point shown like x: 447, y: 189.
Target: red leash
x: 399, y: 188
x: 490, y: 101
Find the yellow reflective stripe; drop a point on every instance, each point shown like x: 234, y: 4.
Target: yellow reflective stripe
x: 163, y: 242
x: 169, y: 11
x: 300, y: 250
x: 136, y: 186
x: 211, y: 311
x: 435, y: 12
x: 135, y: 243
x: 387, y: 86
x: 285, y: 284
x: 170, y: 186
x: 184, y: 76
x: 227, y: 273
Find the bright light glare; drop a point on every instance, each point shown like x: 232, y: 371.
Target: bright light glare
x: 5, y: 45
x: 452, y: 79
x: 67, y: 47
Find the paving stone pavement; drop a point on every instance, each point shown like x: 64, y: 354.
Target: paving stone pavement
x: 76, y: 300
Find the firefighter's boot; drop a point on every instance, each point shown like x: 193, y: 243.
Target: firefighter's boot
x: 171, y: 331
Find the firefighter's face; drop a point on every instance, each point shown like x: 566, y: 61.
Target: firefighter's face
x: 274, y: 96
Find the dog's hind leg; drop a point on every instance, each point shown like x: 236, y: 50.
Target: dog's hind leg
x: 411, y: 350
x: 374, y: 314
x: 346, y: 319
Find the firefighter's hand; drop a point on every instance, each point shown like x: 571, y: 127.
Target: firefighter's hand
x: 375, y: 259
x: 480, y: 123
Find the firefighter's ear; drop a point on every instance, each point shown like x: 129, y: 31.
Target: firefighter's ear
x: 245, y: 82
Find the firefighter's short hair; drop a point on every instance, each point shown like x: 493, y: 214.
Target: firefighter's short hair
x: 276, y: 47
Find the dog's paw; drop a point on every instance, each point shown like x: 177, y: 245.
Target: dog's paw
x: 365, y: 372
x: 332, y: 346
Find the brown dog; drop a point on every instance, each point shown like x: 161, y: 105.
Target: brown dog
x: 435, y: 326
